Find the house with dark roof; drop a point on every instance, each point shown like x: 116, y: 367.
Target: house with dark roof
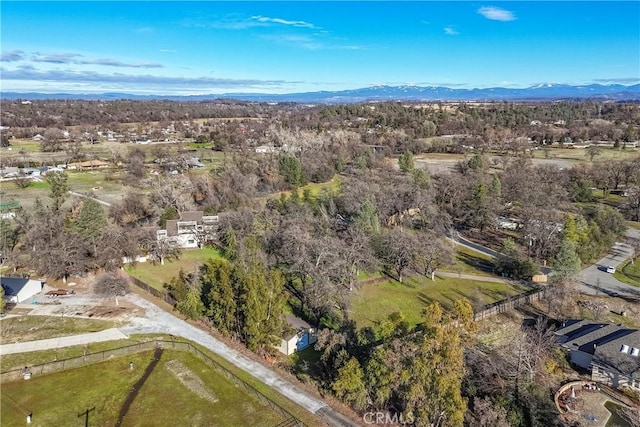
x: 18, y: 289
x: 611, y: 352
x: 192, y: 230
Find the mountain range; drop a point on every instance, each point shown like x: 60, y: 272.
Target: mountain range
x: 541, y: 92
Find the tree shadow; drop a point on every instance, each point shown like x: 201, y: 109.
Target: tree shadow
x: 476, y: 262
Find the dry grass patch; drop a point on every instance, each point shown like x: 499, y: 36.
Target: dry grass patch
x: 190, y: 380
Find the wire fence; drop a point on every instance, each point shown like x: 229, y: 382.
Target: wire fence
x: 90, y: 358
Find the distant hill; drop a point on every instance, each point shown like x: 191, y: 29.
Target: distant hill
x: 542, y: 92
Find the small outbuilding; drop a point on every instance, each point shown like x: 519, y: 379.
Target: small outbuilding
x: 301, y: 337
x: 18, y: 290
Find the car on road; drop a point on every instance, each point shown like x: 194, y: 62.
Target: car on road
x: 611, y: 269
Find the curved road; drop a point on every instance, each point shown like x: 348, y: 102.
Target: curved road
x: 594, y: 279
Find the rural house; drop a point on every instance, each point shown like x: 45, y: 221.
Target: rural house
x: 192, y: 230
x: 18, y: 289
x: 610, y: 352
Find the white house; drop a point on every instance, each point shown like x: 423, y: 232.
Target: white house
x: 192, y: 230
x: 18, y: 289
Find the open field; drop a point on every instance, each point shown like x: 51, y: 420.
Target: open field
x: 469, y: 261
x: 314, y: 189
x: 105, y: 185
x: 156, y: 275
x: 62, y: 398
x: 31, y: 328
x: 580, y: 154
x: 374, y: 302
x: 15, y: 361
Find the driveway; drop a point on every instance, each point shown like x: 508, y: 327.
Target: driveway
x: 52, y: 343
x: 157, y: 320
x: 595, y: 279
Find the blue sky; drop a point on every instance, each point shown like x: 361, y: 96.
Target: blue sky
x: 282, y: 47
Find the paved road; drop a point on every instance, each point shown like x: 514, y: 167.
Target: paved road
x: 595, y: 279
x: 51, y: 343
x: 157, y: 320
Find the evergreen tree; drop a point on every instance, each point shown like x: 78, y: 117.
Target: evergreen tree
x: 261, y: 305
x: 405, y: 162
x: 291, y: 170
x: 367, y: 218
x: 91, y: 221
x: 476, y: 162
x: 566, y: 263
x: 349, y: 384
x: 216, y: 276
x: 58, y: 188
x: 432, y: 395
x: 191, y: 305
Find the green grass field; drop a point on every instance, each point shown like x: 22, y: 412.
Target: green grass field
x: 62, y: 398
x: 629, y: 273
x: 156, y: 275
x: 374, y: 302
x: 469, y: 261
x: 30, y: 328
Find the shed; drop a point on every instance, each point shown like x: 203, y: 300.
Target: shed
x: 18, y: 289
x: 302, y: 338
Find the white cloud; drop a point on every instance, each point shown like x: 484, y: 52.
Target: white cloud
x: 451, y: 31
x: 497, y: 14
x: 239, y: 22
x: 55, y: 58
x: 11, y: 56
x: 29, y: 73
x: 115, y: 63
x: 76, y: 58
x: 299, y: 24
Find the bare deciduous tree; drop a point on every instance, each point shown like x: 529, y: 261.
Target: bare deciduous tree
x: 111, y: 285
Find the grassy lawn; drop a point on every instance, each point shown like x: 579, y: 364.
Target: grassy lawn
x: 363, y: 275
x: 61, y: 398
x: 156, y: 275
x: 581, y: 154
x: 30, y: 328
x: 629, y: 273
x: 372, y: 303
x: 469, y: 261
x: 13, y: 361
x: 314, y: 188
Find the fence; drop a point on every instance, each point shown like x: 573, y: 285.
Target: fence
x: 153, y: 291
x: 510, y: 303
x: 76, y: 362
x: 90, y: 358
